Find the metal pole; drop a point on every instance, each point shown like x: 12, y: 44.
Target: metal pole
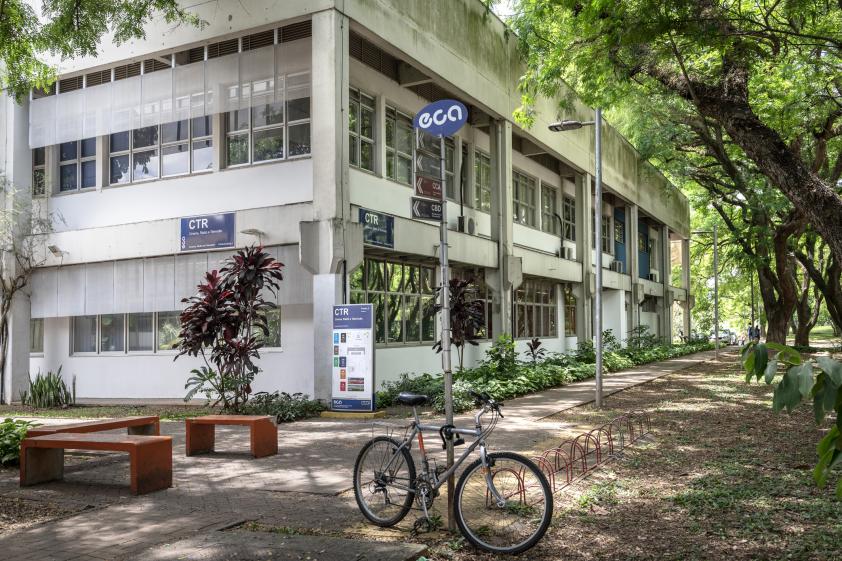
x: 445, y: 334
x: 715, y: 293
x: 751, y: 281
x: 598, y: 244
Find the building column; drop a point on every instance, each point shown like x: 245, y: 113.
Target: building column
x: 665, y: 268
x: 632, y: 218
x: 685, y: 281
x: 584, y: 245
x: 508, y: 274
x: 16, y: 172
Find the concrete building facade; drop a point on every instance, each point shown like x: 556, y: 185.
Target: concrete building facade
x: 296, y: 118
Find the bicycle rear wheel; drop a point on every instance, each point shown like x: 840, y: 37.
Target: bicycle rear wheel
x: 526, y: 515
x: 383, y: 489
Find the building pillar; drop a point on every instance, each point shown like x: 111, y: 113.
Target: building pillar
x: 665, y: 268
x: 507, y: 276
x: 584, y: 293
x: 632, y: 218
x: 685, y: 281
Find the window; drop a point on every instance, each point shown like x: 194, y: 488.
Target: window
x: 619, y: 231
x: 168, y: 327
x: 653, y: 253
x: 361, y: 130
x: 536, y: 309
x: 277, y: 125
x: 524, y: 199
x: 166, y: 150
x: 273, y: 322
x: 449, y: 166
x: 141, y: 334
x: 36, y: 335
x: 642, y: 243
x: 482, y: 292
x: 568, y: 218
x: 569, y: 311
x: 39, y: 178
x: 482, y: 181
x: 84, y: 334
x: 549, y: 209
x: 77, y: 165
x: 399, y: 141
x: 606, y: 243
x: 112, y: 336
x: 403, y: 299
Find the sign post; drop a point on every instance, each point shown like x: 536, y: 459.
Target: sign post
x: 353, y: 358
x: 439, y: 119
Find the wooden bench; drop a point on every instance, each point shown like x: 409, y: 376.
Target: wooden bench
x: 148, y: 426
x: 42, y: 457
x: 201, y: 433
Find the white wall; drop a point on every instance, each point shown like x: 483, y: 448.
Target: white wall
x: 614, y: 313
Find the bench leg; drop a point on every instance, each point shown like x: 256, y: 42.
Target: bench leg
x: 39, y: 465
x: 200, y: 438
x: 152, y: 429
x: 151, y: 467
x: 264, y: 439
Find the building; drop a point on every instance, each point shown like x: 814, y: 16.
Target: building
x: 296, y: 118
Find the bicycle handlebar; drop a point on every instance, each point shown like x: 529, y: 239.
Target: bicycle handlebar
x: 486, y: 400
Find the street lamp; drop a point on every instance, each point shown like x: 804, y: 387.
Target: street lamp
x: 570, y: 125
x: 715, y: 288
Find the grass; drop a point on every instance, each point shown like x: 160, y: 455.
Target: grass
x: 165, y: 412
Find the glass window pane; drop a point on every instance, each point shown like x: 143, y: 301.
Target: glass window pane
x: 355, y: 279
x: 238, y: 149
x: 353, y: 121
x: 67, y: 177
x: 412, y: 317
x: 88, y: 147
x: 119, y: 141
x: 84, y: 334
x: 172, y: 132
x: 404, y: 170
x: 38, y: 182
x: 141, y: 337
x: 395, y: 314
x: 203, y: 155
x: 168, y: 329
x: 120, y: 169
x: 273, y: 322
x: 367, y: 123
x: 237, y: 120
x: 379, y: 317
x: 36, y: 335
x: 376, y: 275
x: 299, y: 139
x: 38, y: 156
x: 67, y: 151
x: 175, y: 159
x: 428, y: 319
x: 367, y: 156
x: 268, y: 144
x: 89, y: 174
x: 353, y: 156
x: 395, y: 277
x: 147, y: 136
x: 145, y: 165
x: 111, y: 336
x: 267, y: 114
x: 202, y: 126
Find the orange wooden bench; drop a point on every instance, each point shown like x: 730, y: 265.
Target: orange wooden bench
x: 201, y: 433
x: 42, y: 457
x: 149, y: 426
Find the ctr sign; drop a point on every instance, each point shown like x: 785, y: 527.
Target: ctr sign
x: 441, y: 118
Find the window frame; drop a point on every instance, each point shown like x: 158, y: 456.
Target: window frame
x: 42, y: 168
x: 356, y: 132
x: 524, y: 182
x: 36, y: 351
x: 392, y: 153
x: 482, y: 164
x: 549, y: 223
x: 525, y: 298
x: 78, y: 162
x: 569, y: 311
x: 568, y: 224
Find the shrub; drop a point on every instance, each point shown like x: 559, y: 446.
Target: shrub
x: 47, y: 391
x: 283, y: 406
x: 462, y: 400
x: 12, y: 432
x: 425, y: 384
x: 501, y: 357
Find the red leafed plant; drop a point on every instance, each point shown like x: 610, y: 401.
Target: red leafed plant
x: 225, y: 323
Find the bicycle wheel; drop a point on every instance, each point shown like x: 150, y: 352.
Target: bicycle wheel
x: 523, y: 520
x: 382, y: 489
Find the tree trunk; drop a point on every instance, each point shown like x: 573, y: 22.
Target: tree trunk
x: 4, y: 346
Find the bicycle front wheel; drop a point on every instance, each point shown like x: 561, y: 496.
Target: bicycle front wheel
x: 383, y: 481
x: 521, y: 521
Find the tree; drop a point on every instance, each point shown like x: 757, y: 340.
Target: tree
x: 225, y: 323
x: 22, y: 231
x: 767, y: 73
x: 70, y: 28
x: 467, y: 316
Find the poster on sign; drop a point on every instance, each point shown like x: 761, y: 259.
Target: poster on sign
x: 353, y: 358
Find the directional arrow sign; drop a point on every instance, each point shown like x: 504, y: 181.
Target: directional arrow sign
x: 427, y: 165
x: 425, y: 209
x: 428, y: 187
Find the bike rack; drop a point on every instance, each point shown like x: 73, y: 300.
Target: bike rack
x: 575, y: 458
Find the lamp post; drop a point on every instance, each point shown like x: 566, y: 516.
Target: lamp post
x: 715, y: 288
x: 568, y: 125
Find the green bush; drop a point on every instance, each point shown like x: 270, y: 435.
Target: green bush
x: 12, y: 432
x: 501, y: 357
x: 283, y: 406
x: 47, y: 391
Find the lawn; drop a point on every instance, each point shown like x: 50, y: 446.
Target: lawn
x: 721, y: 477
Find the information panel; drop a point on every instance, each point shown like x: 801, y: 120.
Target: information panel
x: 353, y: 358
x: 209, y: 231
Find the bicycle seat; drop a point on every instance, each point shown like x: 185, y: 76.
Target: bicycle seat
x: 407, y: 398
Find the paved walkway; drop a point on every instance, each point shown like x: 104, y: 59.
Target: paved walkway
x: 304, y: 488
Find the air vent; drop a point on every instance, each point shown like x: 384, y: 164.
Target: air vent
x: 97, y: 78
x: 257, y: 40
x: 151, y: 65
x: 70, y: 84
x: 127, y: 71
x: 373, y: 56
x: 189, y: 56
x: 38, y: 93
x: 223, y: 48
x: 295, y: 31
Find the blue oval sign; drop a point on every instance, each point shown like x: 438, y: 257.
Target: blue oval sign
x: 441, y: 118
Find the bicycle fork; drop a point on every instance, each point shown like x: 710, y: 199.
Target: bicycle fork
x: 489, y: 480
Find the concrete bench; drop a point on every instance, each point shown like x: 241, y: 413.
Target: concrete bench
x: 201, y: 433
x: 42, y: 457
x: 148, y: 426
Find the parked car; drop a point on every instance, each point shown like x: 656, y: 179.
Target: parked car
x: 726, y: 337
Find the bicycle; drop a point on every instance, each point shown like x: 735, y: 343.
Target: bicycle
x: 502, y: 501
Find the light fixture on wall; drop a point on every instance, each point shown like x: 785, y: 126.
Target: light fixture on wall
x: 254, y: 232
x: 56, y: 250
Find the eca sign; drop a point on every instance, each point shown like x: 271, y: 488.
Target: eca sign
x: 441, y: 118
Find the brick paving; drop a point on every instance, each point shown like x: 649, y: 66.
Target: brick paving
x: 305, y: 488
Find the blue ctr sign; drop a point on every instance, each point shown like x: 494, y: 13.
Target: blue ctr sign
x: 209, y: 231
x: 441, y: 118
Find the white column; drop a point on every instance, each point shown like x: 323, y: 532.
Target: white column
x: 685, y: 280
x: 508, y: 271
x: 584, y: 245
x: 665, y: 268
x: 632, y: 218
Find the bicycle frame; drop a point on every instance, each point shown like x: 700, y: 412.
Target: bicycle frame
x: 417, y: 429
